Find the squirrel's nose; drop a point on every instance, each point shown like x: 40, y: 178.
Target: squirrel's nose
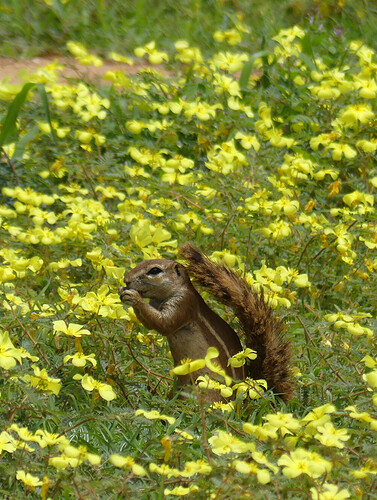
x: 126, y: 279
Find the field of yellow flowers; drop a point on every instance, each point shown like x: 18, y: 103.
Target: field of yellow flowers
x: 266, y: 161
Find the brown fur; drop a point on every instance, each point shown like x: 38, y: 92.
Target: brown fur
x: 177, y: 311
x: 263, y: 332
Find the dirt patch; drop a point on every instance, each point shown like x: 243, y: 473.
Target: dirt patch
x: 10, y: 68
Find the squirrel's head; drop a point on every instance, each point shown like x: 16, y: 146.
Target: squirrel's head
x: 157, y: 278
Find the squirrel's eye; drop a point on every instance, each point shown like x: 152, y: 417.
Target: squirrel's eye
x: 154, y: 271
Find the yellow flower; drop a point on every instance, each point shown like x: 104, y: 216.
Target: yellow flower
x: 29, y: 196
x: 119, y: 58
x: 230, y: 61
x: 232, y: 36
x: 202, y: 110
x: 354, y: 114
x: 6, y: 274
x: 240, y: 358
x: 28, y: 479
x: 357, y: 329
x: 369, y: 361
x: 214, y: 366
x: 188, y: 366
x: 253, y: 388
x: 167, y: 107
x: 72, y: 329
x: 81, y: 454
x: 164, y: 470
x: 248, y: 141
x: 82, y: 55
x: 79, y: 359
x: 8, y: 91
x: 319, y: 175
x: 370, y: 468
x: 110, y: 192
x: 277, y: 230
x: 339, y: 150
x: 285, y: 205
x: 128, y: 463
x: 283, y: 275
x: 360, y: 416
x: 63, y: 461
x: 89, y: 384
x: 154, y: 415
x: 223, y: 407
x: 102, y: 303
x: 207, y: 383
x: 371, y: 378
x: 23, y: 433
x: 86, y: 136
x: 187, y: 54
x: 154, y: 56
x: 296, y: 167
x: 46, y: 438
x: 367, y: 146
x: 225, y: 158
x: 356, y: 197
x: 73, y: 457
x: 316, y: 417
x: 175, y: 169
x: 60, y: 131
x: 301, y: 461
x: 7, y: 443
x: 180, y: 491
x: 198, y: 467
x: 224, y: 442
x: 367, y: 88
x: 283, y: 421
x: 143, y: 234
x: 9, y: 355
x: 184, y: 434
x: 43, y: 382
x: 226, y: 84
x: 227, y: 258
x: 263, y: 475
x: 277, y: 139
x: 289, y: 34
x: 153, y: 158
x: 325, y: 90
x: 328, y: 435
x: 236, y: 104
x: 190, y: 469
x: 329, y: 491
x: 260, y: 432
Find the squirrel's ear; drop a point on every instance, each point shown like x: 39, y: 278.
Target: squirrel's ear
x: 179, y: 269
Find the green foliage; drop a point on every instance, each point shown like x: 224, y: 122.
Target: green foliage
x: 265, y: 159
x: 34, y: 28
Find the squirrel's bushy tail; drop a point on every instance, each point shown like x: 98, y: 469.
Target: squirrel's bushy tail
x: 263, y: 332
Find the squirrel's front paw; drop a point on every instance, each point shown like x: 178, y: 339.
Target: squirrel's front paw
x: 128, y: 296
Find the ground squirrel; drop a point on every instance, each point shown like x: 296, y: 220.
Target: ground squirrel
x: 177, y: 311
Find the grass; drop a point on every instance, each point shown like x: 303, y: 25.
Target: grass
x: 264, y: 159
x: 32, y: 29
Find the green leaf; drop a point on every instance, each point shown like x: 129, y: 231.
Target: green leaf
x: 21, y: 144
x: 248, y: 67
x: 44, y: 99
x: 308, y: 61
x: 9, y: 127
